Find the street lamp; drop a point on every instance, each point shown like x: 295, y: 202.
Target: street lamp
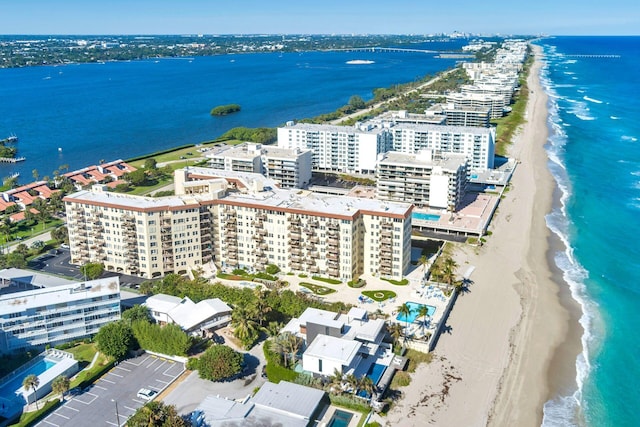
x: 117, y: 415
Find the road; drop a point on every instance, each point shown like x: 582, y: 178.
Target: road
x: 395, y: 98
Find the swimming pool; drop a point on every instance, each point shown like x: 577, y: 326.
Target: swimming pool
x: 425, y: 216
x: 340, y: 419
x: 375, y: 372
x: 413, y: 314
x: 9, y: 389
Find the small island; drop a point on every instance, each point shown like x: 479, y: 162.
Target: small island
x: 223, y: 110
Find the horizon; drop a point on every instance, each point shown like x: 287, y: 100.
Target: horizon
x: 167, y: 17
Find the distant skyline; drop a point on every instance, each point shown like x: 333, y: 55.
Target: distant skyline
x: 564, y: 17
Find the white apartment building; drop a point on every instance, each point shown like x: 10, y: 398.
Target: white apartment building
x: 476, y: 117
x: 423, y: 179
x: 240, y: 220
x: 347, y: 149
x: 57, y: 314
x: 495, y: 103
x: 476, y: 143
x: 291, y: 168
x: 484, y: 88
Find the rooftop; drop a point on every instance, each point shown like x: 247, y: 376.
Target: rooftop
x: 331, y: 348
x: 448, y: 161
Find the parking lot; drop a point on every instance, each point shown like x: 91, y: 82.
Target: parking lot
x: 115, y: 393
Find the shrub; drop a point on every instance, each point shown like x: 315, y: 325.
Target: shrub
x: 219, y: 362
x: 168, y: 339
x: 272, y: 269
x: 193, y: 363
x: 360, y: 283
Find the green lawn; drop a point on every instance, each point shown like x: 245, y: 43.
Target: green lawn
x: 327, y: 280
x: 402, y: 282
x: 317, y: 289
x: 181, y: 154
x: 83, y: 352
x: 379, y: 296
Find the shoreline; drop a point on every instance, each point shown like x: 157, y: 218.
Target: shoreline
x: 513, y: 338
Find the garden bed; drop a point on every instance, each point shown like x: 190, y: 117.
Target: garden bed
x: 379, y: 296
x: 317, y: 289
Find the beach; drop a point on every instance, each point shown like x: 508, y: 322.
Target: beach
x: 511, y: 341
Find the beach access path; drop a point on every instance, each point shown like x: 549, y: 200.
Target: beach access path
x: 491, y: 368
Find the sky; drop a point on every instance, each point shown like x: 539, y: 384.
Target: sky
x: 557, y: 17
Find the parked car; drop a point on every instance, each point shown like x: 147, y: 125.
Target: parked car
x: 146, y: 394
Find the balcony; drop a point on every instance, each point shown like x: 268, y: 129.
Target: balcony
x: 295, y: 265
x: 333, y: 257
x: 261, y: 232
x: 333, y: 272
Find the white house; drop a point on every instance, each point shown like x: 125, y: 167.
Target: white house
x: 191, y: 317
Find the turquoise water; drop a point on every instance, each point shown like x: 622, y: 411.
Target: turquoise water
x: 415, y: 307
x: 8, y: 389
x: 125, y: 109
x: 595, y: 159
x: 425, y: 216
x: 340, y: 419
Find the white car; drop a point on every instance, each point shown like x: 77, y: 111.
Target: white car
x: 146, y: 394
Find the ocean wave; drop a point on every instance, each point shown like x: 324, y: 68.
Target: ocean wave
x: 614, y: 117
x: 566, y: 410
x: 569, y: 73
x: 595, y: 101
x: 628, y: 138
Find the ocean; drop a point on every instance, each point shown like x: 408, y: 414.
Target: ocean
x: 594, y: 152
x: 79, y: 114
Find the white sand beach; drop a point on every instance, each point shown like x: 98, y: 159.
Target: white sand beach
x: 492, y: 365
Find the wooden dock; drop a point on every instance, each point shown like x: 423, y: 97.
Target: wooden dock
x: 12, y: 159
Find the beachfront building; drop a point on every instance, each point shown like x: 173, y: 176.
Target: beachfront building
x: 476, y: 143
x: 426, y: 179
x: 54, y: 315
x: 346, y: 149
x: 236, y: 219
x: 282, y: 404
x: 348, y: 343
x: 290, y: 168
x: 452, y: 116
x: 195, y: 319
x: 495, y: 103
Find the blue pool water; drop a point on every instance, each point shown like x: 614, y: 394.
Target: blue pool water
x: 425, y: 216
x: 375, y: 372
x: 9, y: 388
x: 340, y: 419
x: 415, y: 307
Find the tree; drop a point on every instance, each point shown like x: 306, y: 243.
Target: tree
x: 150, y: 164
x: 423, y: 311
x: 395, y: 331
x: 16, y: 259
x: 92, y: 270
x: 424, y: 262
x: 156, y: 414
x: 357, y: 102
x: 448, y: 274
x: 366, y: 385
x: 335, y: 382
x: 261, y: 306
x: 35, y: 174
x: 115, y: 339
x: 219, y: 362
x: 137, y: 312
x: 405, y: 311
x: 60, y: 385
x: 32, y: 382
x: 287, y: 345
x: 244, y: 327
x: 137, y: 177
x: 273, y: 328
x: 61, y: 234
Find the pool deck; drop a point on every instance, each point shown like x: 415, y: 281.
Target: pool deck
x: 332, y: 409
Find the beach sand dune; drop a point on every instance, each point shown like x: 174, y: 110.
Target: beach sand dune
x: 491, y: 365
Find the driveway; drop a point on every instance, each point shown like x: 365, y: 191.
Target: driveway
x: 191, y: 392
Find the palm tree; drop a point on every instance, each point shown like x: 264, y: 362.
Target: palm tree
x: 424, y: 262
x: 395, y: 330
x: 31, y: 382
x: 244, y: 326
x: 448, y: 272
x: 262, y: 307
x: 352, y: 381
x: 60, y: 385
x: 335, y: 382
x: 366, y: 384
x: 423, y: 311
x: 404, y: 310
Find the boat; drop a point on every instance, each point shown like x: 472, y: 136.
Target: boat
x: 11, y: 139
